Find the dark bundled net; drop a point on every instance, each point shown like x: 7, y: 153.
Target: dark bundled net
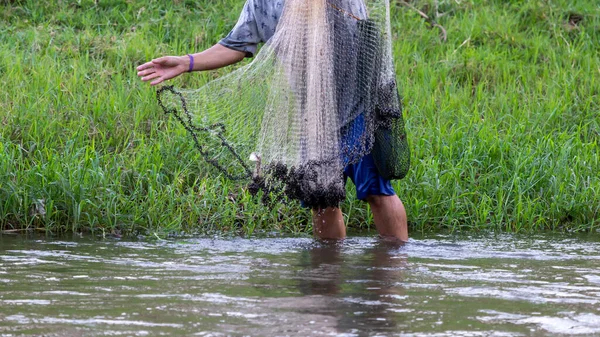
x: 319, y: 95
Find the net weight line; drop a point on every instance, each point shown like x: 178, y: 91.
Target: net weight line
x: 192, y: 129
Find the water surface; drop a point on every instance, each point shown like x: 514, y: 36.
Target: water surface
x: 438, y: 286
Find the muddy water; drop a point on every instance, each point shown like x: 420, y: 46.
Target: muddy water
x: 436, y: 286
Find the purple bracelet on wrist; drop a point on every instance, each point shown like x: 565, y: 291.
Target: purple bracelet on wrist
x: 191, y: 63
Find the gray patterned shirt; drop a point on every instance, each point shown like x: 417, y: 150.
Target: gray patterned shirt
x: 256, y: 24
x: 259, y: 19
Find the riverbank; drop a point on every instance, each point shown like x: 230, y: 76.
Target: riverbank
x: 503, y: 120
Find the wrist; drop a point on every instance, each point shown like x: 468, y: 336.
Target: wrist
x: 190, y: 62
x: 184, y: 63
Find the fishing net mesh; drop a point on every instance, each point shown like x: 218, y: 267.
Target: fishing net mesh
x: 319, y: 95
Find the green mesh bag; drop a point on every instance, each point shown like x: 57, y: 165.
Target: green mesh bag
x: 390, y: 149
x: 391, y: 152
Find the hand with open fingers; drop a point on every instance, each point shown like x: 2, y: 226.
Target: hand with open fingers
x: 163, y: 68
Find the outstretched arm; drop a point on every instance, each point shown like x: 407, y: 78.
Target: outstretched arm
x: 168, y: 67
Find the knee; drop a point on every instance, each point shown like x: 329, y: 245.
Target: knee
x: 378, y: 201
x: 385, y: 203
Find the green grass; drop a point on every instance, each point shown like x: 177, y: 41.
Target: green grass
x: 503, y: 120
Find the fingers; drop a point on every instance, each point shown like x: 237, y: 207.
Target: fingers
x: 145, y: 66
x: 159, y: 70
x: 146, y: 72
x: 161, y: 61
x: 151, y: 76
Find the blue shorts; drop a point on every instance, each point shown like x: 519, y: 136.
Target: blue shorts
x: 367, y: 180
x: 363, y: 174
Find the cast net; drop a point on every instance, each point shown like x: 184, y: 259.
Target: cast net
x: 319, y: 95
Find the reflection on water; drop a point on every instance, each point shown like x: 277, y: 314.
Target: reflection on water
x: 442, y: 286
x: 354, y: 295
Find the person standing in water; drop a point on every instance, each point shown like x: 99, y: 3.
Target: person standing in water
x: 257, y: 24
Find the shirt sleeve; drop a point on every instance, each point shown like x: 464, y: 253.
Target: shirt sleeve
x: 245, y: 36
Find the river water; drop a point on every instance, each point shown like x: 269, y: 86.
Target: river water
x: 433, y: 286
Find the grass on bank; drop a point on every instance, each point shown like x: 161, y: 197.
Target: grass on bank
x: 503, y: 120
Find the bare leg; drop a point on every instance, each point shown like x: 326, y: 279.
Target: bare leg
x: 328, y: 223
x: 389, y: 216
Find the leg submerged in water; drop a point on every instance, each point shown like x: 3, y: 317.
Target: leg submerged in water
x: 328, y: 224
x: 389, y: 215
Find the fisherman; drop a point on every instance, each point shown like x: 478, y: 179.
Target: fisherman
x: 257, y: 24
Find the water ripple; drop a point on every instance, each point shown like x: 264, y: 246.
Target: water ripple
x: 496, y: 285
